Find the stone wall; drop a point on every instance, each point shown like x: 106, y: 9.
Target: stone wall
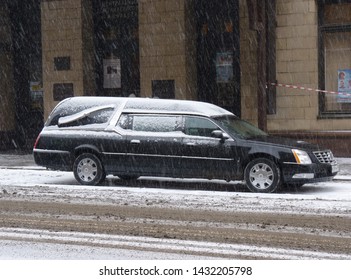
x: 248, y: 65
x: 7, y: 94
x: 167, y: 46
x: 297, y: 64
x: 66, y: 32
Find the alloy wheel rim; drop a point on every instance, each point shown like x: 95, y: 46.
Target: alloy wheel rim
x: 261, y: 176
x: 87, y: 170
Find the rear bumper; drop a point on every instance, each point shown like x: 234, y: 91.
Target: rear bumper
x: 53, y: 159
x: 309, y: 173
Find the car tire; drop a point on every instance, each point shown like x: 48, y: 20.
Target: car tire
x: 88, y: 169
x: 262, y: 175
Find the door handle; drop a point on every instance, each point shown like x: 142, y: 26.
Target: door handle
x: 135, y: 141
x: 191, y: 144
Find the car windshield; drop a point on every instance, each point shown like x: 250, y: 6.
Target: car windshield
x: 239, y: 128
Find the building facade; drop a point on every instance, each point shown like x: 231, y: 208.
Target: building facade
x: 214, y: 51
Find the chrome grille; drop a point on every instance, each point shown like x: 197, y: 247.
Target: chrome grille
x: 325, y: 156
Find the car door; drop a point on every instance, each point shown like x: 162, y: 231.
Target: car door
x: 153, y: 145
x: 204, y: 154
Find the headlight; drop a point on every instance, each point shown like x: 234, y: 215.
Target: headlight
x: 301, y: 157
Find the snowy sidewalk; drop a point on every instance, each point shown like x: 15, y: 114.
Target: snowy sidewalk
x: 26, y: 161
x: 15, y: 159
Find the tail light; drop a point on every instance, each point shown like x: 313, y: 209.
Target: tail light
x: 36, y: 142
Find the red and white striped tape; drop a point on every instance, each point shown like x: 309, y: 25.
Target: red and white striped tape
x: 309, y: 89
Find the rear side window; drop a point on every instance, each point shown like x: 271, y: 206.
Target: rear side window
x: 77, y: 106
x: 150, y: 123
x: 87, y: 117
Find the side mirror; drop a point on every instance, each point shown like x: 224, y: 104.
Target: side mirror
x: 219, y: 134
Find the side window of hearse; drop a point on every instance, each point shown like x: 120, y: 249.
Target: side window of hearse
x: 101, y: 116
x: 199, y: 126
x: 124, y: 122
x: 95, y: 117
x: 153, y: 123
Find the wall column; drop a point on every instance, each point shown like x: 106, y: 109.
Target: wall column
x: 167, y: 46
x: 7, y: 93
x: 67, y: 43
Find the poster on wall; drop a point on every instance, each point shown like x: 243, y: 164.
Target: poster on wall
x: 344, y: 86
x: 36, y: 94
x: 224, y: 67
x: 36, y: 90
x: 112, y: 73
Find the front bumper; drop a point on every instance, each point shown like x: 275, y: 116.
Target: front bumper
x: 308, y: 173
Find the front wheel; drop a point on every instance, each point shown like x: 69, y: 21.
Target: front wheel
x: 88, y: 169
x: 262, y: 175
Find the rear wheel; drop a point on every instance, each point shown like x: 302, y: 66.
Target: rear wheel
x: 262, y: 175
x: 88, y: 169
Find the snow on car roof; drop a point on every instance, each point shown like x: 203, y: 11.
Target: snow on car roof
x: 174, y: 105
x: 138, y: 104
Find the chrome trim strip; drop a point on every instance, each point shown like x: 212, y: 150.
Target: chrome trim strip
x: 164, y: 112
x: 50, y: 151
x: 204, y: 158
x: 117, y: 154
x: 141, y: 155
x: 167, y: 156
x: 295, y: 163
x: 303, y: 176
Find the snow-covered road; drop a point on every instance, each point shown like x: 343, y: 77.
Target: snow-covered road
x: 50, y: 209
x: 330, y: 198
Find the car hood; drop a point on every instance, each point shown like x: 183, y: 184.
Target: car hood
x: 285, y: 142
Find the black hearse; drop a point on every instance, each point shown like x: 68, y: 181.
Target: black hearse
x: 132, y: 137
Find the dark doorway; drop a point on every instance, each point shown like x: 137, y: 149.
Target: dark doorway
x: 218, y: 53
x: 163, y: 89
x: 116, y: 47
x: 25, y: 17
